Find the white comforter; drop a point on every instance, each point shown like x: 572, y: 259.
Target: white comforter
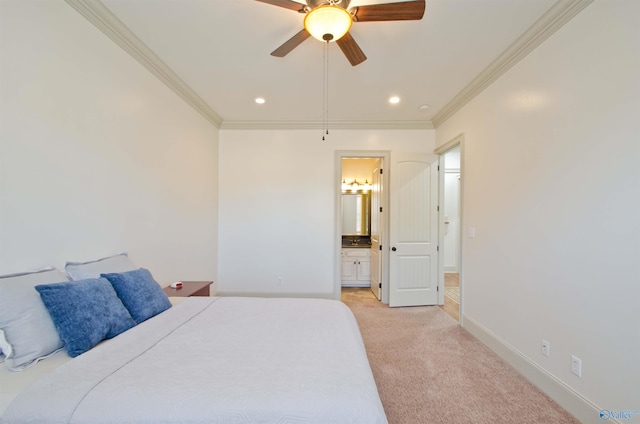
x: 217, y: 360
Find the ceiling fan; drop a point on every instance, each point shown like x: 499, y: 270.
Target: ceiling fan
x: 339, y: 17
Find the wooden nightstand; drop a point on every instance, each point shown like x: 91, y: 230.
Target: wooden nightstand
x: 190, y: 288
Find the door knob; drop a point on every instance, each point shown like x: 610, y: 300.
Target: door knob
x: 393, y: 248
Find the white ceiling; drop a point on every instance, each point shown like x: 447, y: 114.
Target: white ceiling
x: 221, y: 50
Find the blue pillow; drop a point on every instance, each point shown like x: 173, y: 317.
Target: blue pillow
x: 85, y: 312
x: 140, y: 293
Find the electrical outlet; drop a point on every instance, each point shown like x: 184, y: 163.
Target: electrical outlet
x: 546, y: 348
x: 280, y: 281
x: 576, y: 365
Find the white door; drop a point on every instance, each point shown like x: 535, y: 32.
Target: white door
x: 413, y: 261
x: 376, y: 225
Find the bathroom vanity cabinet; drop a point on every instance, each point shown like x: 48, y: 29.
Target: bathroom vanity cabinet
x: 356, y: 267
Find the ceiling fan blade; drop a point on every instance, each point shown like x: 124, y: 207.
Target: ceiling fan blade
x: 287, y: 4
x: 402, y: 11
x: 351, y: 49
x: 291, y: 44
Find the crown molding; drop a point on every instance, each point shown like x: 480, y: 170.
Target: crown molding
x: 333, y: 125
x: 553, y: 19
x: 100, y: 16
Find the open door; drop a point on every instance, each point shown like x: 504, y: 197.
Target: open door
x: 376, y: 229
x: 413, y: 261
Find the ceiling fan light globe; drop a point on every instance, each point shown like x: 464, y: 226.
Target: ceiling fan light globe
x: 327, y: 23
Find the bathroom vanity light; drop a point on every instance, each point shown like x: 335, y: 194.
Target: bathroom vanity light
x: 355, y: 186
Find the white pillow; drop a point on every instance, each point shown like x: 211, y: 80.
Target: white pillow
x: 27, y: 333
x: 93, y: 269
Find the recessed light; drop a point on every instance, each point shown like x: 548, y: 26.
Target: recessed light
x: 260, y: 100
x: 394, y: 100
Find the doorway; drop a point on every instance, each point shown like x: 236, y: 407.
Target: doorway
x: 451, y: 236
x: 361, y: 262
x: 410, y: 261
x: 451, y: 226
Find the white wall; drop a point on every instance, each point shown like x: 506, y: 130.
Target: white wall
x: 277, y: 205
x: 552, y: 185
x: 96, y: 155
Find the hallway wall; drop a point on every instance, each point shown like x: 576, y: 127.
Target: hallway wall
x: 552, y: 186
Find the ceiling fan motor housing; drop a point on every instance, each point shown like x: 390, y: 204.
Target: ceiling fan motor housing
x: 315, y: 3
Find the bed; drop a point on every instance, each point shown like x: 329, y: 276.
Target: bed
x: 202, y: 360
x: 215, y: 360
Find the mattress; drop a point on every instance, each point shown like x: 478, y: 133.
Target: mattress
x: 216, y: 360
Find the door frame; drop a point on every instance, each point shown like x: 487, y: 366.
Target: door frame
x: 385, y: 155
x: 457, y: 141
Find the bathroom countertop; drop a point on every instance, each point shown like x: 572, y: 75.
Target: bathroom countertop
x: 356, y: 246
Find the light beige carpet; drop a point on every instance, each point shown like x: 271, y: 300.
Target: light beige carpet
x: 429, y: 370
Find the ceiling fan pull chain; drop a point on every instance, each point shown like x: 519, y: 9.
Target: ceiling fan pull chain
x: 327, y: 88
x: 325, y: 83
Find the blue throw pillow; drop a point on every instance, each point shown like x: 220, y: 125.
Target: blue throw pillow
x: 85, y: 312
x: 140, y: 293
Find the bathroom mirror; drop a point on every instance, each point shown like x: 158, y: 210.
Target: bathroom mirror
x: 355, y: 214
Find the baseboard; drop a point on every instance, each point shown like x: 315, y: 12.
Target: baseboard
x: 576, y: 404
x: 272, y: 294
